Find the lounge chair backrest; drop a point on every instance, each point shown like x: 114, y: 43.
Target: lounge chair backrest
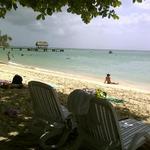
x: 99, y: 124
x: 45, y: 102
x: 79, y: 103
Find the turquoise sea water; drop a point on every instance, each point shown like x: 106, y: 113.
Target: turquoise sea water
x: 130, y: 66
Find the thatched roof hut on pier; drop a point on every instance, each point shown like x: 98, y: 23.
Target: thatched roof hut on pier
x: 42, y: 44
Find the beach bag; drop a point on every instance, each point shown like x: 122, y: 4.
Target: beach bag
x: 17, y: 79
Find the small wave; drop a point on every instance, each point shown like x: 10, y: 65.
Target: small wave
x: 12, y: 63
x: 20, y: 65
x: 47, y: 70
x: 42, y: 69
x: 31, y: 67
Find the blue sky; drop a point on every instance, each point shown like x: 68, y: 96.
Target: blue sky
x: 131, y: 31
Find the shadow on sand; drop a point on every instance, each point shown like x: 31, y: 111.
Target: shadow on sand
x: 14, y: 130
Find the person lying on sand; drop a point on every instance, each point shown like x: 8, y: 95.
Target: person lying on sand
x: 108, y: 80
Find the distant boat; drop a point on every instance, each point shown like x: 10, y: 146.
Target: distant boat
x: 110, y: 52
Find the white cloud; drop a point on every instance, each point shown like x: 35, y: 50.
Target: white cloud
x: 134, y: 19
x: 68, y: 30
x: 60, y: 31
x: 144, y: 5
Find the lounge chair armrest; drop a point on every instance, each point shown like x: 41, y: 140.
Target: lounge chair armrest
x: 55, y: 126
x: 139, y: 139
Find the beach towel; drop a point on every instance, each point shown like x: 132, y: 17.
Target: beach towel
x: 114, y: 100
x: 3, y: 82
x: 100, y: 93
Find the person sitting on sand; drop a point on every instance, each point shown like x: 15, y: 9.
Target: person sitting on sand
x: 108, y: 80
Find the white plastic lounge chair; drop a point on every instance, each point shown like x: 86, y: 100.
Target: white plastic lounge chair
x: 47, y: 109
x: 99, y: 128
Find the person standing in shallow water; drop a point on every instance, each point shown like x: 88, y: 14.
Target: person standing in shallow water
x: 8, y: 55
x: 108, y: 80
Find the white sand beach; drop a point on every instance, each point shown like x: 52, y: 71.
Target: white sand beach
x: 137, y: 100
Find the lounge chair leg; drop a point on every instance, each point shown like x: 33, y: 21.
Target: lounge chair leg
x: 76, y: 145
x: 147, y: 136
x: 139, y: 138
x: 46, y: 136
x: 63, y: 138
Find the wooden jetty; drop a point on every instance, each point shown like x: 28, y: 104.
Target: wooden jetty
x: 36, y: 49
x: 40, y: 46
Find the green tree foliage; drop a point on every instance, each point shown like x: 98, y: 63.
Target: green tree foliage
x: 4, y: 40
x: 87, y: 9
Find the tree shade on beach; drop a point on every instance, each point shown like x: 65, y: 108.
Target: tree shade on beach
x: 87, y: 9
